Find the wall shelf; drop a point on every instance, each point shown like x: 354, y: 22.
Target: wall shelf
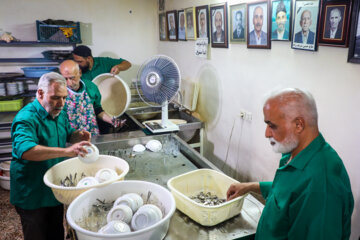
x: 32, y: 44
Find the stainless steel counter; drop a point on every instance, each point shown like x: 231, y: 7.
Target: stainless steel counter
x: 172, y: 161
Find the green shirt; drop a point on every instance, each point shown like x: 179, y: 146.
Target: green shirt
x: 34, y: 126
x: 309, y: 198
x: 101, y: 65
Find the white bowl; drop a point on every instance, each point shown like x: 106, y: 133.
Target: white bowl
x: 115, y: 227
x: 87, y: 182
x: 132, y: 200
x: 154, y: 145
x: 120, y: 212
x: 105, y: 174
x: 73, y: 165
x: 5, y: 182
x: 92, y: 154
x: 146, y: 216
x: 81, y: 206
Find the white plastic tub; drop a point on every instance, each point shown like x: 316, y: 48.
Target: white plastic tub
x: 205, y: 180
x: 83, y: 203
x: 5, y: 182
x: 58, y: 172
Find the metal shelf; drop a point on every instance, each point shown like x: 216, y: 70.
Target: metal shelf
x: 29, y: 60
x: 32, y: 43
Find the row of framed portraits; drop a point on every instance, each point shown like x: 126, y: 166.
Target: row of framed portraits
x: 303, y: 22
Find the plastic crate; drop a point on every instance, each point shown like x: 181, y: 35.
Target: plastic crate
x: 58, y: 33
x: 11, y: 105
x: 205, y: 180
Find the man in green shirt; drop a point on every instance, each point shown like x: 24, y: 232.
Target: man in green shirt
x: 83, y: 103
x: 91, y: 66
x: 310, y: 196
x: 39, y: 134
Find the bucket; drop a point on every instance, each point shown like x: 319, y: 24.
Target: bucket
x: 71, y: 166
x: 160, y: 196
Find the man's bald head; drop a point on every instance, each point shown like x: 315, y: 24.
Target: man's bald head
x: 294, y: 102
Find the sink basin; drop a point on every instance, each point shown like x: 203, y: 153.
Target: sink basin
x: 187, y: 130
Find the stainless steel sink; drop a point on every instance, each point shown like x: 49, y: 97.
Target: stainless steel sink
x: 187, y: 130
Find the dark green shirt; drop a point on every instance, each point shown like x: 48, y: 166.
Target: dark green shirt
x: 101, y: 65
x: 309, y: 198
x: 34, y: 126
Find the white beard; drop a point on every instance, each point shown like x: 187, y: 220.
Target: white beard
x: 287, y: 146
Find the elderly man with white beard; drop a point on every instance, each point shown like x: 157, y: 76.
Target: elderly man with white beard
x: 310, y: 196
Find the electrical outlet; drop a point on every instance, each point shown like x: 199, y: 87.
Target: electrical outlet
x: 245, y: 115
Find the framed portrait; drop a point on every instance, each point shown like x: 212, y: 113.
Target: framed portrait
x: 202, y: 21
x: 172, y: 31
x: 258, y: 25
x: 219, y: 29
x: 305, y: 25
x: 238, y: 23
x: 162, y: 27
x: 354, y: 38
x: 161, y: 5
x: 334, y: 23
x: 281, y: 20
x: 181, y: 25
x: 190, y: 23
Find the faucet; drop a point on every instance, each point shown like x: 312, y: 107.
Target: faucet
x: 179, y: 104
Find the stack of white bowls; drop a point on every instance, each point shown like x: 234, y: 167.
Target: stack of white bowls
x: 12, y: 88
x: 2, y: 89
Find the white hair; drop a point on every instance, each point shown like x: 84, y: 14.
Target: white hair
x: 48, y: 78
x: 295, y: 102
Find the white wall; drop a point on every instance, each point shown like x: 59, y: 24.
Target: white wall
x: 237, y: 78
x: 234, y: 79
x: 107, y: 27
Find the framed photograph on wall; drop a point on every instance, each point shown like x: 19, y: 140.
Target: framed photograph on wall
x: 334, y: 23
x: 202, y: 21
x: 305, y: 25
x: 172, y: 31
x: 354, y: 38
x: 161, y: 5
x: 238, y: 23
x: 281, y: 20
x: 219, y: 30
x: 162, y: 27
x: 258, y: 25
x: 181, y: 26
x: 190, y: 23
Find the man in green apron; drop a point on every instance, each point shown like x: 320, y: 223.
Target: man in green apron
x: 83, y: 103
x: 310, y: 196
x: 91, y: 66
x: 39, y: 134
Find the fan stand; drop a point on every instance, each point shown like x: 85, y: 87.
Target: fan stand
x: 165, y: 126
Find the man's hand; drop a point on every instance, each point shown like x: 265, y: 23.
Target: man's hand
x: 117, y: 122
x: 80, y: 135
x: 115, y: 70
x: 123, y: 66
x: 238, y: 189
x: 77, y: 149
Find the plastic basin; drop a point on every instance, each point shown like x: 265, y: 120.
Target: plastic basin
x: 205, y: 180
x: 37, y: 71
x: 83, y: 203
x: 59, y: 172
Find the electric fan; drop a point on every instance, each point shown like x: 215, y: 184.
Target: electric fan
x: 159, y: 81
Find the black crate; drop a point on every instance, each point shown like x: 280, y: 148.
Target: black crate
x: 58, y: 33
